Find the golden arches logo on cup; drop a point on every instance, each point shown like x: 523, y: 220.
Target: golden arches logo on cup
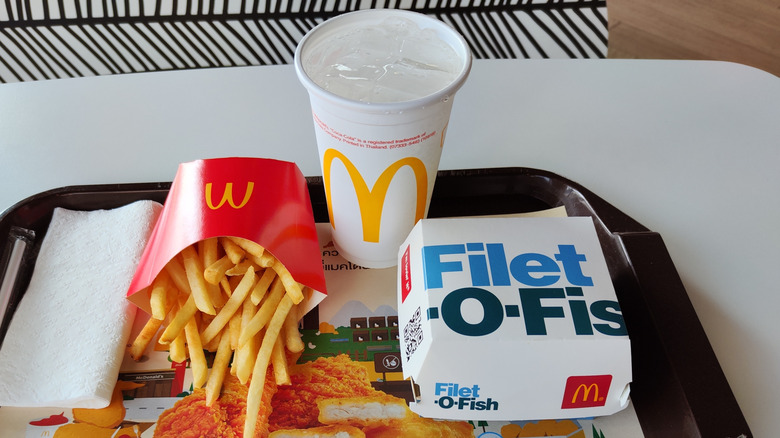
x: 371, y: 200
x: 227, y: 196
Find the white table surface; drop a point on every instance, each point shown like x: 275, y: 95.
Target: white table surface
x: 690, y: 149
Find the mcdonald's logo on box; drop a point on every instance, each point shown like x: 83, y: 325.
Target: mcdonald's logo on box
x: 586, y: 391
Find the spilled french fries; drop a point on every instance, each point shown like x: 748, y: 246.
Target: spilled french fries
x: 229, y: 296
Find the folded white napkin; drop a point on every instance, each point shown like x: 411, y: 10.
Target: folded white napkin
x: 67, y: 337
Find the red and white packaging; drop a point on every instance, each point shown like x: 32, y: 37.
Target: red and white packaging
x: 510, y: 319
x: 263, y: 200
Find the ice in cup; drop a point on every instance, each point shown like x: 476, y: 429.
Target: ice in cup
x: 381, y: 84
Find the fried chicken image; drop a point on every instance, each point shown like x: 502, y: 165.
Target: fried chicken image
x: 320, y: 432
x: 295, y: 405
x: 337, y: 392
x: 191, y: 418
x: 373, y: 410
x: 385, y: 416
x: 420, y: 427
x: 327, y: 398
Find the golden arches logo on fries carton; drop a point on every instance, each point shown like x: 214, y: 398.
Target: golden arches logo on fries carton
x: 232, y: 265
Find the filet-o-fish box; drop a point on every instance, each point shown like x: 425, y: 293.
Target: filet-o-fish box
x: 511, y: 319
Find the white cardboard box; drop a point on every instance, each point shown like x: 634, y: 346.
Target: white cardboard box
x: 511, y: 319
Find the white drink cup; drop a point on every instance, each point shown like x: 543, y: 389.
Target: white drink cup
x: 380, y: 143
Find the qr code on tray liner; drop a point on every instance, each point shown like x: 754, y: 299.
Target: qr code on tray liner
x: 413, y: 334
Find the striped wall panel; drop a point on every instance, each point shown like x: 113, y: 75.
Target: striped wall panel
x: 49, y: 39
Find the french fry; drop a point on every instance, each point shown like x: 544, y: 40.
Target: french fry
x: 240, y: 268
x: 144, y: 338
x: 194, y: 271
x: 292, y: 337
x: 197, y: 357
x: 254, y: 252
x: 218, y: 299
x: 264, y: 314
x: 226, y: 288
x: 218, y: 368
x: 279, y: 362
x: 177, y: 348
x: 234, y: 327
x: 248, y: 246
x: 162, y: 299
x: 234, y: 252
x: 184, y: 314
x: 215, y: 272
x: 208, y: 250
x: 290, y: 285
x: 257, y: 384
x: 247, y: 355
x: 244, y: 359
x: 264, y: 261
x: 230, y: 307
x: 255, y: 394
x: 158, y: 298
x: 176, y: 272
x: 261, y: 287
x: 212, y: 345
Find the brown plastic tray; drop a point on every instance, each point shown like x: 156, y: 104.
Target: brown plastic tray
x: 678, y: 387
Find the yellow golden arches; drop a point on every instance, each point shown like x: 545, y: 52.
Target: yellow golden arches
x: 227, y: 196
x: 586, y: 389
x: 371, y: 201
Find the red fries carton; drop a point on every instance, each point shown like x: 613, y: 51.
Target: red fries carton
x: 262, y: 200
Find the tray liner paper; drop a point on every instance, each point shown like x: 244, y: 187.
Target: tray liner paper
x: 361, y: 305
x: 66, y: 341
x: 266, y: 201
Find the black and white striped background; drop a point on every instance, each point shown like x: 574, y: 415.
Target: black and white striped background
x: 49, y: 39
